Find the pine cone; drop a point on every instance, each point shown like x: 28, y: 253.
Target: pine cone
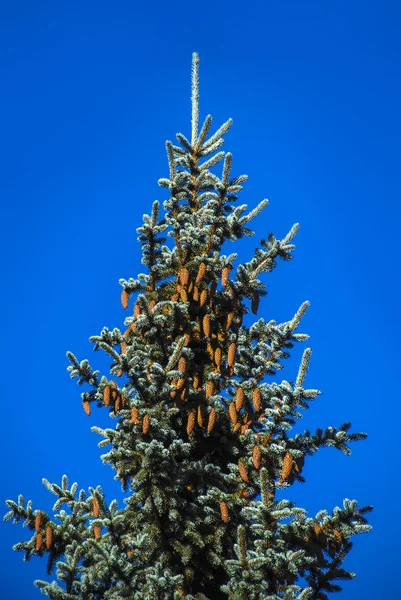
x: 231, y: 354
x: 255, y: 304
x: 39, y: 541
x: 38, y: 521
x: 239, y: 398
x: 230, y: 318
x: 224, y: 512
x: 184, y: 276
x: 212, y: 420
x: 209, y: 388
x: 95, y: 507
x: 256, y: 456
x: 256, y: 398
x: 145, y: 424
x: 137, y: 310
x: 233, y: 413
x: 96, y: 531
x: 195, y: 294
x: 217, y: 356
x: 191, y: 422
x: 206, y: 325
x: 203, y: 298
x: 106, y: 395
x: 201, y: 272
x: 195, y: 382
x: 287, y: 467
x: 184, y: 295
x: 242, y: 471
x: 49, y: 536
x: 224, y: 276
x: 86, y: 406
x: 134, y: 415
x: 124, y: 299
x: 182, y: 364
x: 200, y: 416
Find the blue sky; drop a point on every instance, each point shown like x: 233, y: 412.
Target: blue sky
x: 91, y: 92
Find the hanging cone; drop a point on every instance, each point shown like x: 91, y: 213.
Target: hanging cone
x: 137, y: 310
x: 133, y: 327
x: 195, y: 382
x: 237, y: 427
x: 49, y: 536
x: 38, y: 521
x: 184, y: 276
x: 255, y: 304
x: 175, y: 297
x: 224, y: 276
x: 180, y: 383
x: 86, y: 406
x: 106, y: 395
x: 231, y: 354
x: 239, y: 398
x: 210, y: 350
x: 287, y: 467
x: 123, y: 347
x: 184, y: 295
x: 230, y: 318
x: 233, y: 413
x: 206, y: 325
x: 117, y: 404
x: 39, y: 541
x: 256, y: 399
x: 209, y: 388
x: 212, y: 420
x: 200, y: 416
x: 195, y: 294
x: 224, y: 512
x: 217, y: 356
x: 201, y: 272
x: 145, y: 424
x: 134, y: 415
x: 203, y: 298
x: 96, y: 531
x: 152, y: 305
x: 124, y: 299
x: 191, y: 422
x: 256, y: 456
x: 182, y: 364
x: 242, y: 471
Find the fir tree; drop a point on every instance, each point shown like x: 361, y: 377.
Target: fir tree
x: 201, y: 434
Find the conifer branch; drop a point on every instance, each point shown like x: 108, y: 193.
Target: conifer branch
x: 195, y: 97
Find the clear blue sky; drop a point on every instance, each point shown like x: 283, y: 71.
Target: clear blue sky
x: 90, y: 93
